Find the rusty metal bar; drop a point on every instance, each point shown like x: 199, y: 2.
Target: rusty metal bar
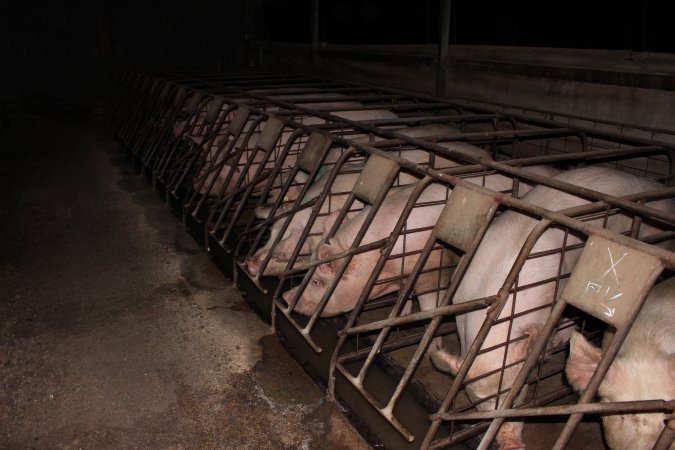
x: 200, y: 154
x: 401, y: 342
x: 667, y: 436
x: 607, y: 359
x: 445, y: 310
x: 563, y: 410
x: 347, y: 253
x: 492, y: 316
x: 443, y: 41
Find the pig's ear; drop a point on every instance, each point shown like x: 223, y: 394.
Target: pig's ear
x: 520, y: 350
x: 584, y: 358
x: 445, y: 361
x: 326, y: 251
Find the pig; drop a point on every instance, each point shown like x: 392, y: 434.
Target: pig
x: 282, y: 251
x: 359, y: 269
x: 183, y: 118
x: 237, y: 163
x: 488, y: 271
x: 355, y: 277
x: 342, y: 183
x: 417, y: 156
x: 220, y: 175
x: 643, y: 369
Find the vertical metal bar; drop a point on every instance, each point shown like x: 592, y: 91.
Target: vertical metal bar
x: 537, y: 349
x: 315, y: 34
x: 490, y: 319
x: 443, y: 39
x: 666, y: 437
x: 603, y: 366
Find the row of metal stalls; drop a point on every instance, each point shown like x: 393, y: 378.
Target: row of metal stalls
x: 350, y: 218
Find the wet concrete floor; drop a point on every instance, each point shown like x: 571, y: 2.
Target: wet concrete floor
x: 116, y: 331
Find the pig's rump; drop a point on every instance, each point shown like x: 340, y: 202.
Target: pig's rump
x: 536, y: 284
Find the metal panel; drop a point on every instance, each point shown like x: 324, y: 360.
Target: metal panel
x: 315, y: 149
x: 213, y: 109
x: 609, y: 279
x: 239, y: 120
x: 194, y: 102
x: 463, y: 216
x: 377, y: 175
x: 270, y: 134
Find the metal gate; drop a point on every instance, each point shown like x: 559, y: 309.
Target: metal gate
x: 431, y: 230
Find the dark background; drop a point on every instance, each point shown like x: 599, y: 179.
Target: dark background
x: 640, y: 25
x: 67, y: 54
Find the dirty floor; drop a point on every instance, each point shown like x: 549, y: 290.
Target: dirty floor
x: 116, y: 331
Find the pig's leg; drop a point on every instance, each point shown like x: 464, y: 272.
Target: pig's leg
x: 428, y: 302
x: 509, y: 436
x: 445, y: 361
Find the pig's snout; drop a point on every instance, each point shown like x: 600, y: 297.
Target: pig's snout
x: 288, y: 296
x: 303, y: 306
x: 509, y: 436
x: 253, y: 265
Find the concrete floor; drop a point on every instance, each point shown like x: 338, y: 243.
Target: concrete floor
x: 116, y: 331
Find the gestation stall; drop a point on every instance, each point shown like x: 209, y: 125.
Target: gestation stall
x: 429, y: 262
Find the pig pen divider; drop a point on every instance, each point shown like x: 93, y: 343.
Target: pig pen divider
x: 597, y: 155
x: 187, y: 120
x: 215, y: 126
x: 648, y: 268
x: 231, y: 210
x: 244, y: 125
x: 157, y: 121
x: 146, y: 151
x: 218, y: 211
x: 186, y: 115
x: 140, y: 90
x: 394, y: 320
x: 371, y: 188
x: 143, y: 90
x: 310, y: 161
x: 132, y: 115
x: 505, y: 168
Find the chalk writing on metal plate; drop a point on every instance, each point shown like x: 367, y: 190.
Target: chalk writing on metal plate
x: 607, y: 285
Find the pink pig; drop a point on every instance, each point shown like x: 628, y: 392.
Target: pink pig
x: 488, y: 271
x: 644, y: 369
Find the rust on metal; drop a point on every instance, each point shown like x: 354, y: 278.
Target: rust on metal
x: 464, y: 214
x: 377, y: 175
x: 315, y: 150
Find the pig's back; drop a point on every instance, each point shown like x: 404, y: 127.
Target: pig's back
x: 655, y: 325
x: 508, y: 232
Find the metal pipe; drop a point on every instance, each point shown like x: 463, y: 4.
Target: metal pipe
x: 422, y: 315
x: 316, y: 16
x: 443, y: 40
x: 563, y: 410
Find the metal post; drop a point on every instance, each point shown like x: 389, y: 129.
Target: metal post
x: 443, y: 38
x: 315, y: 34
